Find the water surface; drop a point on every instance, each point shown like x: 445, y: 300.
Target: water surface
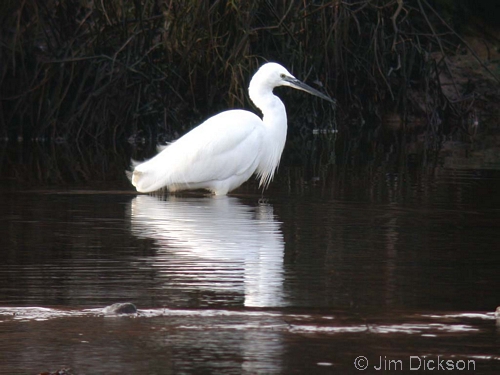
x: 306, y: 278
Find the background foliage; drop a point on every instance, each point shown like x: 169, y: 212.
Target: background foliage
x: 150, y: 70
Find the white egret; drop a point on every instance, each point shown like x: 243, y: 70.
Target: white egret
x: 227, y: 149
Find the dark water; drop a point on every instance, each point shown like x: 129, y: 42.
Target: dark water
x: 401, y: 268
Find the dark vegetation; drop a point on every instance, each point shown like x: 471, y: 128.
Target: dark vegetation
x: 145, y: 71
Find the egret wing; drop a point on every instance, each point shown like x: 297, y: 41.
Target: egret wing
x: 225, y: 145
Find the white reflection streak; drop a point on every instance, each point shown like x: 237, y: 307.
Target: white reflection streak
x: 213, y: 244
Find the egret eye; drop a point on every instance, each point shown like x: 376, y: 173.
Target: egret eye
x: 283, y: 75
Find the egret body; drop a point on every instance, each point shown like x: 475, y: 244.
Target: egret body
x: 227, y: 149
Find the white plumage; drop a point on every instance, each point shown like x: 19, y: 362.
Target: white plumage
x: 227, y: 149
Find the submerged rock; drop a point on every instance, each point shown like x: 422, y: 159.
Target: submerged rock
x: 120, y: 308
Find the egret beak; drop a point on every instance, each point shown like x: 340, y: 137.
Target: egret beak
x: 299, y: 85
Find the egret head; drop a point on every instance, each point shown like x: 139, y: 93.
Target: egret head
x: 272, y: 75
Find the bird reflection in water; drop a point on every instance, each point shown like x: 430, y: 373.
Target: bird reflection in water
x: 218, y: 246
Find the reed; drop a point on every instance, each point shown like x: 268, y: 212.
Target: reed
x: 116, y: 70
